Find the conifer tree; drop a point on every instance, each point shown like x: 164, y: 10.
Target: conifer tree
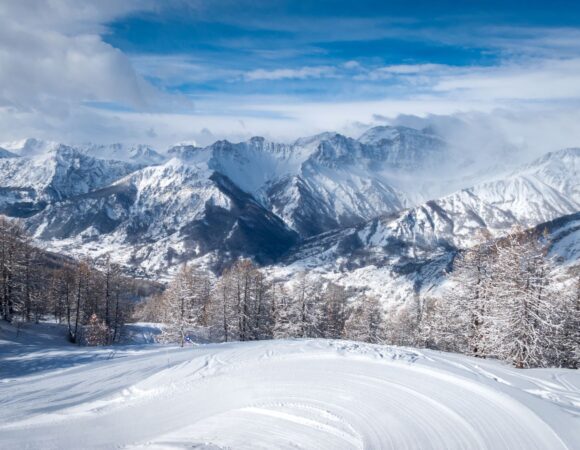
x: 182, y: 310
x: 365, y: 322
x: 523, y: 313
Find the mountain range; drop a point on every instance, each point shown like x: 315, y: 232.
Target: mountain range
x: 387, y: 205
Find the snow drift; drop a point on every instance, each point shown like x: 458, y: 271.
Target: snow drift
x: 280, y: 394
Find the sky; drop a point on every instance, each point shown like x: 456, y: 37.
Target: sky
x: 162, y: 72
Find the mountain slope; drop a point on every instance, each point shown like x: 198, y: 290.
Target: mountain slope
x: 397, y: 255
x: 160, y: 216
x: 29, y: 183
x: 336, y: 194
x: 405, y: 148
x: 543, y: 190
x: 564, y: 238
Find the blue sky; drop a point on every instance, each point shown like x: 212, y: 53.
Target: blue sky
x: 199, y: 70
x: 322, y: 50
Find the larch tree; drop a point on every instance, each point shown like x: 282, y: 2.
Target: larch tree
x: 95, y: 332
x: 285, y: 311
x: 308, y: 299
x: 335, y: 301
x: 568, y: 333
x: 11, y: 264
x: 467, y: 299
x: 365, y: 322
x: 81, y: 289
x: 223, y: 310
x: 523, y: 311
x: 183, y: 306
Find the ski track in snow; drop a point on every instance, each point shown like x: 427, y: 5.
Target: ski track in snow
x: 313, y: 394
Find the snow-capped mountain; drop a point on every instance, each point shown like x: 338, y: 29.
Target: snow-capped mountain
x: 203, y: 201
x: 160, y: 216
x: 405, y: 148
x: 399, y: 254
x: 30, y: 183
x: 539, y: 192
x: 326, y: 181
x: 7, y: 154
x: 30, y: 147
x: 137, y: 154
x: 326, y: 200
x: 314, y: 185
x: 338, y: 184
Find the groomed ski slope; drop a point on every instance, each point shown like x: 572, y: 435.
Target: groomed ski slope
x: 312, y: 394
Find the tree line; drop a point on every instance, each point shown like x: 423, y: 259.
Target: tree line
x: 34, y: 285
x: 243, y: 305
x: 504, y: 299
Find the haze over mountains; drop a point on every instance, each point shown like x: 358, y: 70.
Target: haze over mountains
x: 395, y: 199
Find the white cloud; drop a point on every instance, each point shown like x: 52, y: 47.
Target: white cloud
x: 547, y: 79
x: 300, y: 73
x: 53, y: 62
x: 70, y: 16
x: 351, y: 65
x: 52, y: 58
x: 404, y: 69
x: 177, y: 69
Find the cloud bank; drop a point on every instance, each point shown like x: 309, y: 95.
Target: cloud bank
x: 82, y: 70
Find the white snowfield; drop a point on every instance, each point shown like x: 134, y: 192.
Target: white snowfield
x: 312, y: 394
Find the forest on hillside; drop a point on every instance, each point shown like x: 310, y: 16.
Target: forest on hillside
x: 503, y: 298
x: 35, y: 285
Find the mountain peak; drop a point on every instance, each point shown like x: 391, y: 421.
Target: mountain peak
x: 315, y: 140
x: 570, y: 152
x: 381, y: 133
x: 257, y: 139
x: 403, y: 147
x: 30, y: 146
x: 7, y: 154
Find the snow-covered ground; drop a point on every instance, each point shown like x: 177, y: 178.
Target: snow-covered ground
x: 276, y: 394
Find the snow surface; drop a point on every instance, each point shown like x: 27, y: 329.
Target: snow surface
x: 277, y: 394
